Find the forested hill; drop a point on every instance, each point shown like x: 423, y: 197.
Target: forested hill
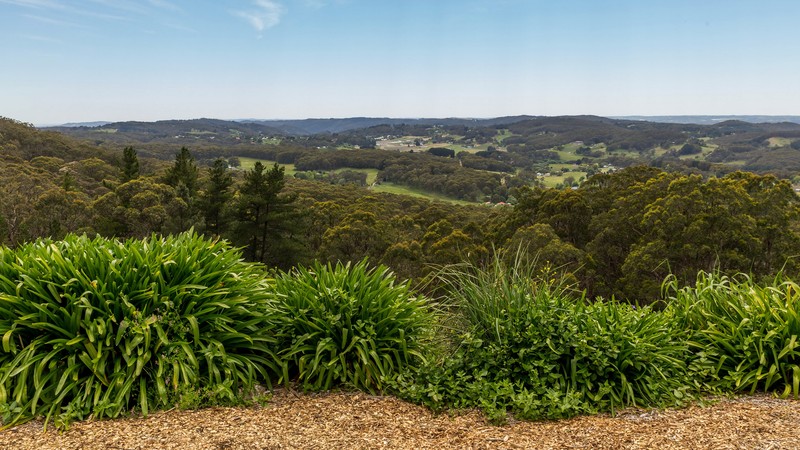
x: 711, y: 120
x: 613, y: 230
x: 572, y: 146
x: 132, y: 131
x: 149, y: 131
x: 317, y: 126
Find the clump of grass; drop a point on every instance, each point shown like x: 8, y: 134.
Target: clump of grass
x: 350, y: 325
x: 99, y: 327
x: 744, y: 336
x: 537, y: 348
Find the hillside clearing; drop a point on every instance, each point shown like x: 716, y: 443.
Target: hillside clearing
x: 357, y: 420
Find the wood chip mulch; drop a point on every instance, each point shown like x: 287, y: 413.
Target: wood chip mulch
x: 357, y: 420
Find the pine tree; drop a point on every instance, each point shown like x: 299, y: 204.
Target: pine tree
x: 264, y: 215
x: 182, y: 176
x: 217, y: 196
x: 184, y: 172
x: 130, y: 165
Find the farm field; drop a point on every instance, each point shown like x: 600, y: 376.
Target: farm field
x: 393, y: 188
x: 248, y: 163
x: 406, y: 143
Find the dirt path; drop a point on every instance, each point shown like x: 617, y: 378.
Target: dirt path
x: 354, y: 420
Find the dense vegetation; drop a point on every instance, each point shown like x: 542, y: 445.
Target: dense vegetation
x: 522, y: 305
x: 92, y: 327
x: 619, y: 234
x: 98, y: 328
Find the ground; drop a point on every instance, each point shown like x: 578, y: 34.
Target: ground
x: 356, y: 420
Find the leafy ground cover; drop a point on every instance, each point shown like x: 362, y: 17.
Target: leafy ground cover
x: 530, y: 346
x: 100, y: 328
x: 97, y: 327
x: 350, y: 325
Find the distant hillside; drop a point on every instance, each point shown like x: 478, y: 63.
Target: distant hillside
x: 711, y: 120
x: 316, y: 126
x: 177, y: 130
x: 22, y: 142
x: 85, y: 124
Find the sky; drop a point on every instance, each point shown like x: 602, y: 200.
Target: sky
x: 112, y: 60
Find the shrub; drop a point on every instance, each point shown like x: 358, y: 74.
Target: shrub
x: 533, y: 347
x: 99, y: 327
x: 744, y: 336
x: 348, y: 324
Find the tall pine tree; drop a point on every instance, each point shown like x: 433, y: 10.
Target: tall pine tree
x: 182, y: 176
x: 216, y: 197
x: 183, y: 172
x: 264, y: 216
x: 130, y: 165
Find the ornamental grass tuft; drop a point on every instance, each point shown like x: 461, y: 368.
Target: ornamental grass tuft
x: 744, y: 336
x: 538, y: 349
x: 99, y: 327
x: 350, y: 325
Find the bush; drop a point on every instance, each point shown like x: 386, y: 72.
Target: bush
x: 349, y: 325
x: 744, y: 336
x: 533, y: 347
x: 100, y: 327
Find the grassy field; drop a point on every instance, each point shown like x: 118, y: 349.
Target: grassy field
x: 707, y: 149
x: 554, y: 180
x: 473, y: 149
x: 392, y: 188
x: 194, y: 132
x: 248, y: 163
x: 567, y: 152
x: 502, y: 134
x: 406, y: 143
x: 779, y: 142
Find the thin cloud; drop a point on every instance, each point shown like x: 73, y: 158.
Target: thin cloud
x: 265, y: 14
x: 35, y: 37
x: 319, y: 4
x: 51, y: 21
x: 38, y: 4
x: 60, y: 6
x: 315, y: 4
x: 163, y: 4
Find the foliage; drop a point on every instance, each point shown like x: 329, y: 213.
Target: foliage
x: 744, y: 336
x: 264, y: 214
x: 96, y: 327
x: 130, y: 164
x: 349, y: 325
x: 217, y: 196
x: 183, y: 174
x: 529, y: 345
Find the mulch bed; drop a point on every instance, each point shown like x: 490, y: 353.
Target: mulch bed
x: 357, y: 420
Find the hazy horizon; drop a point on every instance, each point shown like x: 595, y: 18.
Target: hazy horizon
x: 117, y: 60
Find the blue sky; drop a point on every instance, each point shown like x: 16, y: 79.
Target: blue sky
x: 83, y: 60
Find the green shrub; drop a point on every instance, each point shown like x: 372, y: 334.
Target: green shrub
x: 99, y: 327
x: 540, y: 350
x: 349, y: 325
x: 744, y: 336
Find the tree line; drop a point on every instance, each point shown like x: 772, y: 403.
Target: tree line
x: 617, y: 234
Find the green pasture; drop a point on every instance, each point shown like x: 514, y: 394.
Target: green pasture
x: 554, y: 180
x: 779, y: 142
x: 393, y: 188
x: 195, y: 132
x: 248, y: 163
x: 502, y: 135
